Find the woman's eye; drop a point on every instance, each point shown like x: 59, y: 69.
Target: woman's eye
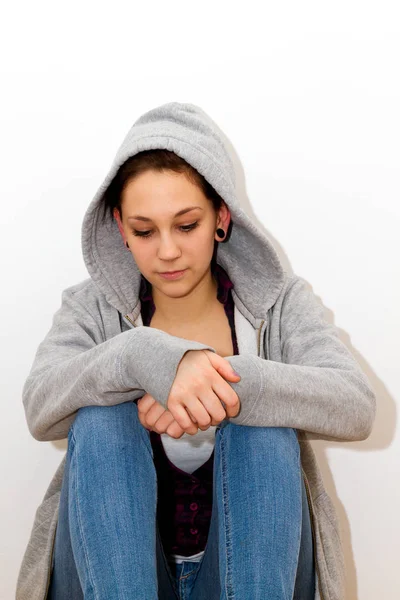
x: 141, y: 233
x: 187, y: 228
x: 183, y: 228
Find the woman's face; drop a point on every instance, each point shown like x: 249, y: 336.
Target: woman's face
x: 162, y: 240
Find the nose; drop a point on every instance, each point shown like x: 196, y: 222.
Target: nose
x: 168, y: 249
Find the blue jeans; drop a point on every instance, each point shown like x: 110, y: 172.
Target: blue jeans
x: 108, y: 546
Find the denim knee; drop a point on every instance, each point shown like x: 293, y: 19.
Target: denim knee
x: 283, y: 437
x: 108, y: 423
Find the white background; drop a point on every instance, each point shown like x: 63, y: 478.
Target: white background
x: 308, y: 94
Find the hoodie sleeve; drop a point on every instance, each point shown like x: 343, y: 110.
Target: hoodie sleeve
x: 74, y: 368
x: 318, y: 387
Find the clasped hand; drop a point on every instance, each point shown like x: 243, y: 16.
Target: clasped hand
x: 199, y: 397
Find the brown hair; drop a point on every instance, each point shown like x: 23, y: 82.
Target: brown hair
x: 156, y: 160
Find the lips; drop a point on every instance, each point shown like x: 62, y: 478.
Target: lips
x: 173, y: 274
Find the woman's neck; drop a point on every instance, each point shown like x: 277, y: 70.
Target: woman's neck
x: 191, y: 309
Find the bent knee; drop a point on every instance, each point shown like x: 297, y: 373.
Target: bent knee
x: 103, y: 419
x: 283, y: 438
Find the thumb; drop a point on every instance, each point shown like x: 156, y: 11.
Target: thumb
x: 222, y: 366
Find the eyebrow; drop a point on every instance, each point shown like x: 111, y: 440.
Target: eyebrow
x: 178, y: 214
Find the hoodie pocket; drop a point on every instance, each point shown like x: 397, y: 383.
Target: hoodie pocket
x: 329, y: 548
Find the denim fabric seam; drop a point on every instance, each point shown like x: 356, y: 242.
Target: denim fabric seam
x: 167, y: 567
x: 79, y: 520
x: 145, y: 432
x: 228, y: 545
x: 301, y: 501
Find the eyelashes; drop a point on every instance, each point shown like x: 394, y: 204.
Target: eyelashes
x: 183, y: 228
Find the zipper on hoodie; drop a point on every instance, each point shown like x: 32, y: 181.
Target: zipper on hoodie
x: 130, y: 320
x: 259, y: 338
x: 311, y: 511
x: 266, y: 337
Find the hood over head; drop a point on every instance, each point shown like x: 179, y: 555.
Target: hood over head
x: 248, y: 256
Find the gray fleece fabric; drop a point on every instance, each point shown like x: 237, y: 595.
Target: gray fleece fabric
x: 97, y: 352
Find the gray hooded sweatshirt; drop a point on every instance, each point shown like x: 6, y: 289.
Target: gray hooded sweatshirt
x: 295, y: 371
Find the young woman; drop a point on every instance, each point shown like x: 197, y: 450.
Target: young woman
x: 189, y: 373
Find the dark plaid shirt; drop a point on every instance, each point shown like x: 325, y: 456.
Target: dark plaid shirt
x: 184, y: 499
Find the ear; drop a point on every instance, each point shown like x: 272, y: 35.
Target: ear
x: 119, y: 223
x: 224, y: 217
